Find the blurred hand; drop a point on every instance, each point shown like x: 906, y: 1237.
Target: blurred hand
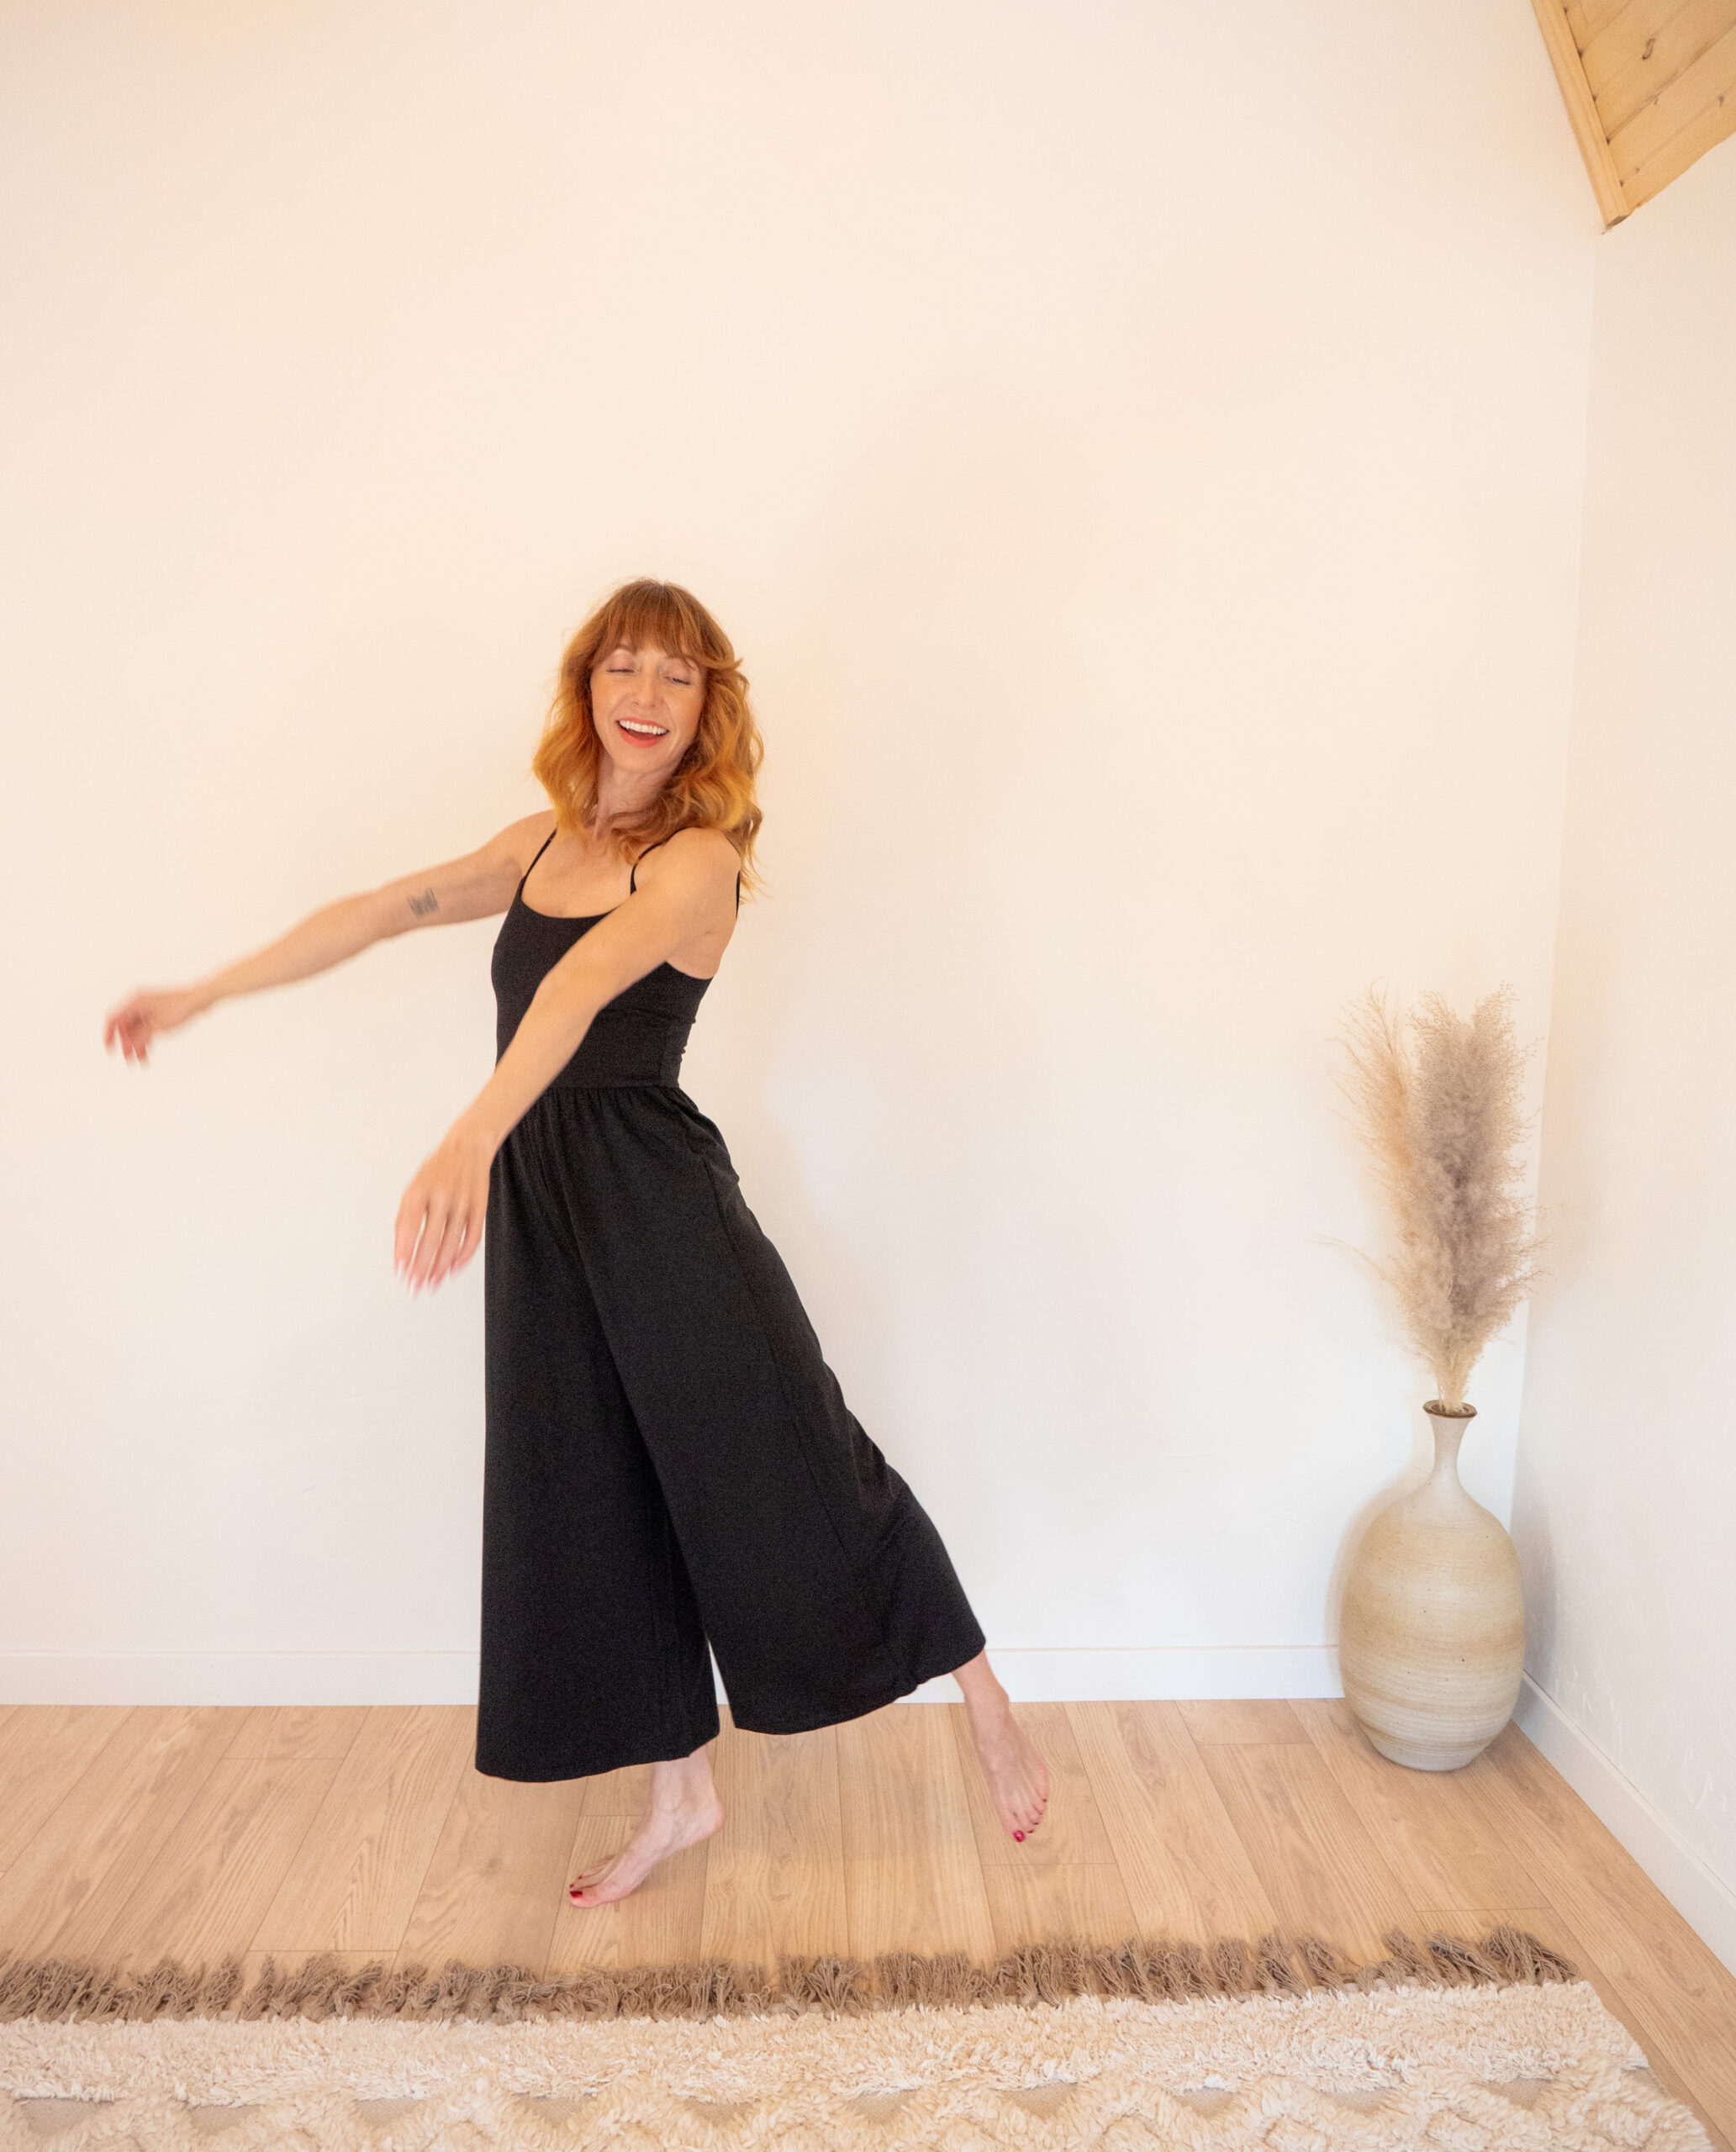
x: 440, y: 1219
x: 137, y: 1022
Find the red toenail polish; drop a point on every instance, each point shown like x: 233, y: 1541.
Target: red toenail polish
x: 1018, y: 1834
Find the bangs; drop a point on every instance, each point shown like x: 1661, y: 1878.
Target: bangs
x: 713, y: 788
x: 658, y: 613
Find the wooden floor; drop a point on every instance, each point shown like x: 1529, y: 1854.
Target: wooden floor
x: 128, y: 1833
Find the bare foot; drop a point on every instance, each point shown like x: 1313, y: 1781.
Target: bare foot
x: 684, y: 1808
x: 1018, y: 1777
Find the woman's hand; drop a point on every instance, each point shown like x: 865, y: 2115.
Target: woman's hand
x: 440, y: 1220
x: 153, y: 1008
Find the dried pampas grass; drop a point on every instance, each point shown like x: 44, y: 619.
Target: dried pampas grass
x: 1437, y: 1100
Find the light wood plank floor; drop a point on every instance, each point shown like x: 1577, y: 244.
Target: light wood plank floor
x: 128, y: 1834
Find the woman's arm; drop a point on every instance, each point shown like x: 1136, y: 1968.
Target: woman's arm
x: 686, y: 894
x: 472, y: 887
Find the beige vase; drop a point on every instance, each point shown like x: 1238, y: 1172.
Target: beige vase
x: 1431, y: 1638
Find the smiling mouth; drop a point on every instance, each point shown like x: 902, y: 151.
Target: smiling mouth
x: 642, y: 731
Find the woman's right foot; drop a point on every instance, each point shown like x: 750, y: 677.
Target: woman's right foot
x: 1018, y: 1779
x: 665, y: 1830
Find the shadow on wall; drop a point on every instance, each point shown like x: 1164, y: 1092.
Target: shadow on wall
x: 1536, y: 1541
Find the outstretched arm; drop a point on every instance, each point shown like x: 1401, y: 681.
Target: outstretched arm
x: 480, y: 883
x: 686, y: 895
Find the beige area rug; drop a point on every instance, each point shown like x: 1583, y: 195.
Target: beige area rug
x: 1447, y: 2047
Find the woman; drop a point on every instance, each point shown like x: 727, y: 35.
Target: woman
x: 668, y: 1461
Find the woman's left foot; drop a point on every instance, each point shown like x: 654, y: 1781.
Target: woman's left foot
x: 665, y: 1830
x: 1018, y: 1777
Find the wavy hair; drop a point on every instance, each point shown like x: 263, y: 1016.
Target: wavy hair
x: 712, y: 786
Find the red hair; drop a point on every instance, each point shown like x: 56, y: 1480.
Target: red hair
x: 712, y: 787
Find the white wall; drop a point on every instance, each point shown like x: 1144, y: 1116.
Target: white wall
x: 1626, y: 1490
x: 1137, y: 449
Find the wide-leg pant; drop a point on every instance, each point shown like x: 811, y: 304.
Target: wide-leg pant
x: 669, y: 1460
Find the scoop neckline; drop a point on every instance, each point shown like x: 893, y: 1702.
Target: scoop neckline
x: 590, y: 919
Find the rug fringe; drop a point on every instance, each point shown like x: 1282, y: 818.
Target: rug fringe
x: 1152, y: 1969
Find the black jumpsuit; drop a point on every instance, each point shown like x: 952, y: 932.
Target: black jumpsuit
x: 669, y: 1460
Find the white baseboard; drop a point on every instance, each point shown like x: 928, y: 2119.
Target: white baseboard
x: 1061, y: 1675
x: 1706, y: 1903
x: 238, y: 1677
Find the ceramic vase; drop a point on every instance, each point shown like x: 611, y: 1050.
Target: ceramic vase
x: 1431, y: 1638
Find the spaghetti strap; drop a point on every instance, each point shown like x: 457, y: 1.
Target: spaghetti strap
x: 632, y: 882
x: 540, y: 849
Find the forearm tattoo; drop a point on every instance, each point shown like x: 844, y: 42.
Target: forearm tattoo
x: 425, y: 903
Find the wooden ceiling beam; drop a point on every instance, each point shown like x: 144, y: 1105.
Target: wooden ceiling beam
x: 1644, y: 49
x: 1581, y: 109
x: 1649, y: 85
x: 1680, y: 122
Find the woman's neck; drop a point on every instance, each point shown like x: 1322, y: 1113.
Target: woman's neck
x: 620, y: 800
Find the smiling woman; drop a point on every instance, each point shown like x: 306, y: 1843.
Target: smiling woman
x: 670, y: 1461
x: 651, y: 670
x: 670, y: 1467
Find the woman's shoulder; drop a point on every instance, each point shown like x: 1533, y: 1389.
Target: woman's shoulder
x: 701, y: 849
x: 510, y: 852
x: 523, y: 837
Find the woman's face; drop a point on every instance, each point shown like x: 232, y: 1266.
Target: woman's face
x: 645, y: 705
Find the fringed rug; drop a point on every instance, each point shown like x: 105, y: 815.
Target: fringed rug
x: 1443, y: 2045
